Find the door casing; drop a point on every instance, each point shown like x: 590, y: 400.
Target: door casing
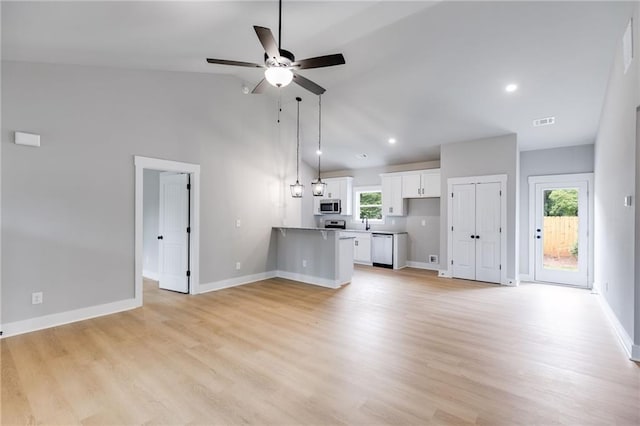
x: 502, y: 179
x: 572, y: 177
x: 193, y: 170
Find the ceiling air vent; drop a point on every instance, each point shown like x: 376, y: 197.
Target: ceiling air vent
x: 547, y: 121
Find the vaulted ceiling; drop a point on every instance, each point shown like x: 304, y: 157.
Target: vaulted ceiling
x: 425, y: 73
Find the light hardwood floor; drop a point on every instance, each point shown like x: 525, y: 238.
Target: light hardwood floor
x: 393, y: 347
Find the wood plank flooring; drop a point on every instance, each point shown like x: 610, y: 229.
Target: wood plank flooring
x: 393, y: 347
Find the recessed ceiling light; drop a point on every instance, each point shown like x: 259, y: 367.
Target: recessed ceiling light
x: 392, y: 140
x: 361, y: 156
x: 510, y: 88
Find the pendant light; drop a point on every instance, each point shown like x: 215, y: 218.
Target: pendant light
x: 297, y: 189
x: 318, y: 186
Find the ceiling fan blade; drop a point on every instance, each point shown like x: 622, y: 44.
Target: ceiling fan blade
x: 308, y: 84
x: 260, y: 87
x: 319, y: 62
x: 236, y: 63
x: 268, y: 42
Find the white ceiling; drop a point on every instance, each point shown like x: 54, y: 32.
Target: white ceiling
x: 426, y: 73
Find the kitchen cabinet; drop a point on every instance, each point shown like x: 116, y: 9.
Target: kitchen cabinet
x: 392, y: 202
x: 421, y: 184
x: 337, y: 189
x: 361, y: 246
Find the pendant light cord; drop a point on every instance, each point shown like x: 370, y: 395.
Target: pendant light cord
x: 298, y: 143
x: 319, y: 132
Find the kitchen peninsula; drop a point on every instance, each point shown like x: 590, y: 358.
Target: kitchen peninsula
x: 314, y: 256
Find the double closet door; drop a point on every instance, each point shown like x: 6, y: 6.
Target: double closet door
x: 476, y: 231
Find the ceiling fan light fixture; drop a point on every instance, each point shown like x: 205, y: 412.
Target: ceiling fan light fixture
x: 278, y: 76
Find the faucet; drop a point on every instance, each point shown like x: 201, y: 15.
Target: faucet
x: 365, y: 220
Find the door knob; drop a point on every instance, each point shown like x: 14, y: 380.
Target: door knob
x: 160, y: 237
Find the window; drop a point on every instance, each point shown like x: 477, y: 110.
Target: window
x: 368, y: 204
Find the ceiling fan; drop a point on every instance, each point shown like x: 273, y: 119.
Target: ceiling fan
x: 280, y: 65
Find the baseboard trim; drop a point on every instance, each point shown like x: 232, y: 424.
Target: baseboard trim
x: 236, y: 281
x: 309, y: 279
x: 423, y: 265
x: 150, y: 275
x: 444, y: 273
x: 62, y: 318
x: 526, y: 277
x: 633, y: 351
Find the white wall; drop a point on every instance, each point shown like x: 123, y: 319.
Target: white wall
x: 616, y: 154
x: 574, y: 159
x: 491, y: 156
x: 150, y: 218
x: 68, y: 206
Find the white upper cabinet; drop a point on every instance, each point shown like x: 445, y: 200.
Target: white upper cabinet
x: 337, y: 189
x: 421, y: 184
x: 392, y: 202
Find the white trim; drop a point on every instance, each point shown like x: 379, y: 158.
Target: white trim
x: 309, y: 279
x: 633, y: 351
x: 150, y: 275
x: 356, y: 204
x: 571, y: 177
x: 502, y: 179
x: 142, y: 163
x: 512, y: 282
x: 54, y: 320
x: 423, y: 265
x: 444, y: 273
x: 526, y: 277
x: 236, y: 281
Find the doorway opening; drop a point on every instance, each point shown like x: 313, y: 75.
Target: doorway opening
x: 560, y: 229
x: 171, y: 226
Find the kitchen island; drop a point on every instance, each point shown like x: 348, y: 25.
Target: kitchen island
x: 314, y: 256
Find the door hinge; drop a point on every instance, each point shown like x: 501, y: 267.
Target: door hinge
x: 452, y: 195
x: 452, y: 261
x: 501, y: 192
x: 188, y: 229
x: 452, y: 228
x: 188, y: 186
x: 500, y: 267
x: 501, y: 229
x: 188, y: 273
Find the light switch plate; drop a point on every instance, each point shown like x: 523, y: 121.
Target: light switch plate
x: 28, y: 139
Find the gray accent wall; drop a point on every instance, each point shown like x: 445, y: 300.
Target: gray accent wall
x: 616, y: 172
x: 150, y: 218
x: 68, y: 206
x: 573, y: 159
x: 491, y: 156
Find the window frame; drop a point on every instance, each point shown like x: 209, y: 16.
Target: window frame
x: 356, y: 203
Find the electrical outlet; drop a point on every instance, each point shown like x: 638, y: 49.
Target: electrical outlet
x: 304, y: 263
x: 36, y: 298
x: 238, y: 266
x: 433, y: 258
x: 238, y: 223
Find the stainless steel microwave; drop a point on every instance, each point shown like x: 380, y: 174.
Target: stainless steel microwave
x: 330, y: 207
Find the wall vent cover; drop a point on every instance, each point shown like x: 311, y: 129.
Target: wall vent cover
x: 547, y: 121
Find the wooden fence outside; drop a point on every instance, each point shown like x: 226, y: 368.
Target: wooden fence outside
x: 560, y: 235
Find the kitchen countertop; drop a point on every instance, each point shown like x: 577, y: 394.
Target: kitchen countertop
x: 371, y: 231
x: 309, y: 228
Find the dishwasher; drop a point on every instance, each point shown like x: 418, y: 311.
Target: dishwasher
x: 382, y: 250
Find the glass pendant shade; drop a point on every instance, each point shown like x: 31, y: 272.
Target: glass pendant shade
x: 317, y: 187
x: 278, y: 76
x: 297, y: 190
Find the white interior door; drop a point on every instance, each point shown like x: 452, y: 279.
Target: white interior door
x: 488, y: 230
x: 464, y: 231
x: 173, y: 259
x: 561, y: 232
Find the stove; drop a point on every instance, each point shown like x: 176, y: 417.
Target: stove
x: 335, y: 224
